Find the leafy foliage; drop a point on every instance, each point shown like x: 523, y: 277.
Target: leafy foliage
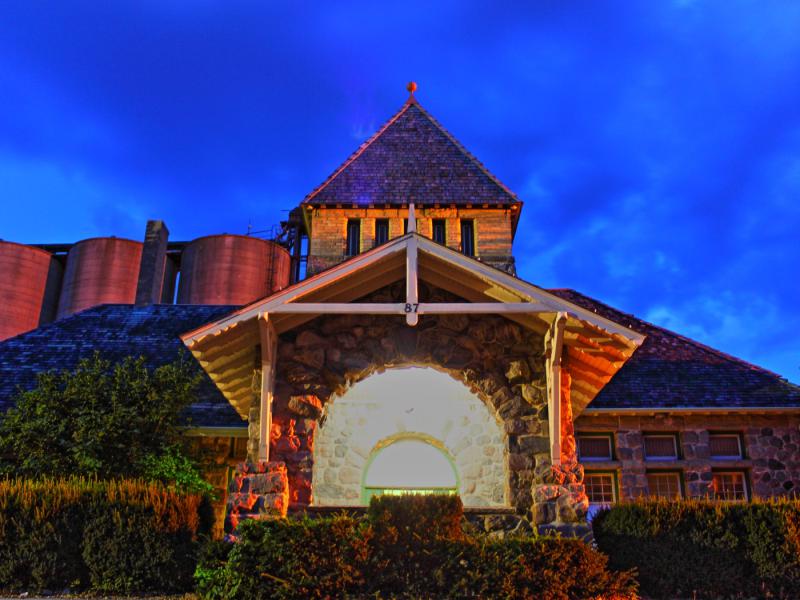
x: 112, y: 536
x: 706, y: 549
x: 173, y: 467
x: 407, y: 547
x: 101, y: 420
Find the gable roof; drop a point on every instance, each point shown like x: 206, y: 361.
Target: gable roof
x: 412, y: 158
x: 671, y: 371
x: 115, y: 331
x: 227, y: 348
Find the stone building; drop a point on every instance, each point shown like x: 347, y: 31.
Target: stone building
x: 411, y: 358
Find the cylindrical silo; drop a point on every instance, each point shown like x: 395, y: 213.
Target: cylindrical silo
x: 23, y: 278
x: 100, y: 271
x: 231, y: 269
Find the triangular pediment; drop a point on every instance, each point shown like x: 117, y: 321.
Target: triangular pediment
x: 227, y: 348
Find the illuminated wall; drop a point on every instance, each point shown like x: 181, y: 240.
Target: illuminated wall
x: 401, y: 404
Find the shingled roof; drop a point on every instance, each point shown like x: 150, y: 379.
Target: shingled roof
x: 672, y: 371
x: 115, y: 331
x: 412, y: 158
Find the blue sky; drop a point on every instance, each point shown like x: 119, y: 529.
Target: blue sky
x: 656, y: 144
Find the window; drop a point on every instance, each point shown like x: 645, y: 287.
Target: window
x: 729, y: 486
x: 600, y: 488
x: 381, y: 231
x: 660, y: 447
x: 725, y: 445
x: 595, y: 446
x: 409, y: 466
x: 468, y: 237
x: 665, y: 484
x: 439, y: 231
x: 353, y: 237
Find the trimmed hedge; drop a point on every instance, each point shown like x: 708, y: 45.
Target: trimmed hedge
x: 407, y: 547
x: 702, y: 549
x: 111, y: 536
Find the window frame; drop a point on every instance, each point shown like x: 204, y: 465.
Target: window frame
x: 596, y: 434
x: 614, y: 486
x: 676, y: 472
x: 739, y: 438
x: 443, y: 224
x: 473, y: 237
x: 382, y: 223
x: 658, y: 434
x: 349, y: 241
x: 745, y: 484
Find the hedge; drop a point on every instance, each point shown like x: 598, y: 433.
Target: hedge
x: 406, y: 547
x: 701, y: 549
x: 110, y: 536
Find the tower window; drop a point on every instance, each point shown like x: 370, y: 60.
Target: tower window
x: 439, y: 231
x: 381, y: 231
x: 468, y: 237
x: 353, y: 237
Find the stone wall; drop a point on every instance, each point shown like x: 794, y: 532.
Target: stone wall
x: 771, y: 450
x: 501, y: 362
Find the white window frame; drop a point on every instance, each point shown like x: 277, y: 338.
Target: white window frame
x: 609, y: 437
x: 727, y: 457
x: 676, y: 474
x: 671, y: 436
x: 745, y: 487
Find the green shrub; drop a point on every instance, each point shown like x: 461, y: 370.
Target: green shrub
x: 705, y: 549
x: 111, y: 536
x: 289, y: 558
x: 407, y: 547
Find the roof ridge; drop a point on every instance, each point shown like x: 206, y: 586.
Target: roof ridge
x: 701, y: 346
x: 466, y: 152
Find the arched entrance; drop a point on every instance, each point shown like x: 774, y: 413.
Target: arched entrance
x: 409, y: 419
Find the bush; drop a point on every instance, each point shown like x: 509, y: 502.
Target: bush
x: 111, y: 536
x: 705, y: 549
x: 407, y: 547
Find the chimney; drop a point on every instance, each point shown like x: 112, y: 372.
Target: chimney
x: 151, y: 270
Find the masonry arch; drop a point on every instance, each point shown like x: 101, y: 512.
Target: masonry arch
x: 412, y: 404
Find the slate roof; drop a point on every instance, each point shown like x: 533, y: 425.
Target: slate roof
x: 411, y: 158
x: 116, y: 331
x: 667, y: 371
x: 672, y: 371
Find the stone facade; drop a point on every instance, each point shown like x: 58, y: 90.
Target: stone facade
x: 258, y: 490
x: 328, y: 234
x: 770, y: 461
x: 501, y: 363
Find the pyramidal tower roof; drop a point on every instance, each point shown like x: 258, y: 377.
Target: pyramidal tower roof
x: 412, y: 158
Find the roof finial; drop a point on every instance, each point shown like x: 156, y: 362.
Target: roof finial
x: 412, y: 218
x: 411, y: 87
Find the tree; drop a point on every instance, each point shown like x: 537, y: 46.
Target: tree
x: 102, y: 419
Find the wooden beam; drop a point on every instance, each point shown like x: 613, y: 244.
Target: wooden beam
x: 554, y: 342
x: 412, y: 273
x: 269, y: 341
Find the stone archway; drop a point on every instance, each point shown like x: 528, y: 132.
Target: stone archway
x: 411, y: 403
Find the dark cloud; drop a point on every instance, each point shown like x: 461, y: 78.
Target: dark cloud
x: 656, y: 144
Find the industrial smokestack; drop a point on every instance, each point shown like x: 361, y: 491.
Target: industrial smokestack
x: 151, y: 270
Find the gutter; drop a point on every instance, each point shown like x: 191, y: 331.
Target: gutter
x: 709, y: 410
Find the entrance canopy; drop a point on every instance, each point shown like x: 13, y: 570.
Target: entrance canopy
x: 597, y: 347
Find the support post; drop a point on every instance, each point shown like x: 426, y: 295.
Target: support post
x: 554, y: 342
x: 269, y: 341
x: 412, y: 283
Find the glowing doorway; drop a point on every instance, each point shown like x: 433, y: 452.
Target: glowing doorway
x: 420, y: 404
x: 409, y: 466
